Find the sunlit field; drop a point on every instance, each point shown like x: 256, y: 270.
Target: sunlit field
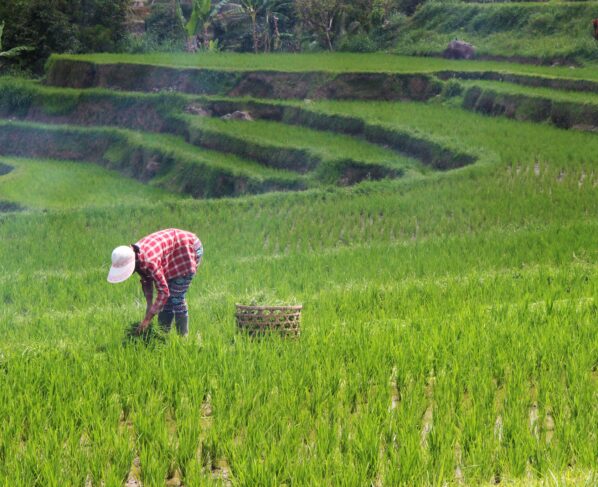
x: 448, y: 332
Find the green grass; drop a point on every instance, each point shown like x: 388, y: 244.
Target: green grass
x: 424, y: 280
x: 493, y: 140
x: 129, y: 151
x: 484, y: 279
x: 53, y: 184
x: 541, y: 30
x: 182, y: 149
x: 337, y: 63
x: 449, y: 322
x: 537, y: 92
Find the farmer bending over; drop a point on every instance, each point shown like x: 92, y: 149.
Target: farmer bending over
x: 169, y: 260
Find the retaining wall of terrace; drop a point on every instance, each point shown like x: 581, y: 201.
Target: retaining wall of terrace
x: 430, y: 153
x: 563, y: 114
x: 157, y: 113
x: 71, y: 73
x: 567, y: 84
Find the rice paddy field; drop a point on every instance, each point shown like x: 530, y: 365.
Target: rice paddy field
x: 446, y: 261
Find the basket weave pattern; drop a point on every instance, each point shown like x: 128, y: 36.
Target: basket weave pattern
x: 261, y: 320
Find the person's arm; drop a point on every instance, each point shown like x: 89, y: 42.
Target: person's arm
x: 163, y: 293
x: 147, y: 284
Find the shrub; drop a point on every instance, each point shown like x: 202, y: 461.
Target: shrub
x: 98, y: 38
x: 451, y: 89
x: 14, y: 99
x: 471, y: 97
x: 541, y: 23
x: 358, y: 43
x: 561, y: 115
x: 409, y: 6
x: 165, y: 26
x: 486, y: 103
x: 533, y: 109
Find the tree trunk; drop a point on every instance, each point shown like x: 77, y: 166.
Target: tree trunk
x: 328, y: 38
x: 254, y: 27
x: 267, y: 40
x: 328, y: 41
x: 206, y: 41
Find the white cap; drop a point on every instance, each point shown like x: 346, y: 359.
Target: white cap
x: 123, y: 264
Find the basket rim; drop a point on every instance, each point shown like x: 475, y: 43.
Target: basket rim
x: 298, y: 307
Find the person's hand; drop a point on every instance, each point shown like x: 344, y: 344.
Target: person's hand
x: 142, y: 327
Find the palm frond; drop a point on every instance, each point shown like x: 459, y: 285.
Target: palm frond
x: 15, y: 51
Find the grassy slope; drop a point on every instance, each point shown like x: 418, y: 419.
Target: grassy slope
x: 538, y: 30
x: 325, y: 145
x: 557, y: 95
x: 337, y: 62
x: 169, y: 144
x: 232, y: 163
x: 61, y: 184
x: 497, y: 140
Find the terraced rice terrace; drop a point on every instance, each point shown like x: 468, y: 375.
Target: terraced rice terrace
x: 445, y: 259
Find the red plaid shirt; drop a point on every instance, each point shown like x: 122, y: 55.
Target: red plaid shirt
x: 162, y: 256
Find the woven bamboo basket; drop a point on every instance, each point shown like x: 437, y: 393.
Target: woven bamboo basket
x: 262, y: 320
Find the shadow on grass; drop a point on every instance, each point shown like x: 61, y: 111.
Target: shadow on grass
x: 5, y: 169
x: 10, y: 207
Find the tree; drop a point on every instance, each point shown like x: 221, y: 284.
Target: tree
x: 56, y: 26
x: 320, y: 16
x: 165, y: 24
x: 251, y: 9
x: 200, y: 20
x: 15, y: 51
x: 260, y: 13
x: 367, y: 15
x: 273, y: 12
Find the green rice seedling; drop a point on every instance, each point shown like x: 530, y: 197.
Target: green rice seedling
x: 448, y: 331
x: 52, y: 184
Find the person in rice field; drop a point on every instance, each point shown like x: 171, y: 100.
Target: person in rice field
x: 168, y: 260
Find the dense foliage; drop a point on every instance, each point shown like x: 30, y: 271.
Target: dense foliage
x: 63, y: 26
x: 541, y: 30
x: 82, y: 26
x: 553, y: 30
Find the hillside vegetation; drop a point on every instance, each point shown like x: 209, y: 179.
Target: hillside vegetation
x: 542, y: 31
